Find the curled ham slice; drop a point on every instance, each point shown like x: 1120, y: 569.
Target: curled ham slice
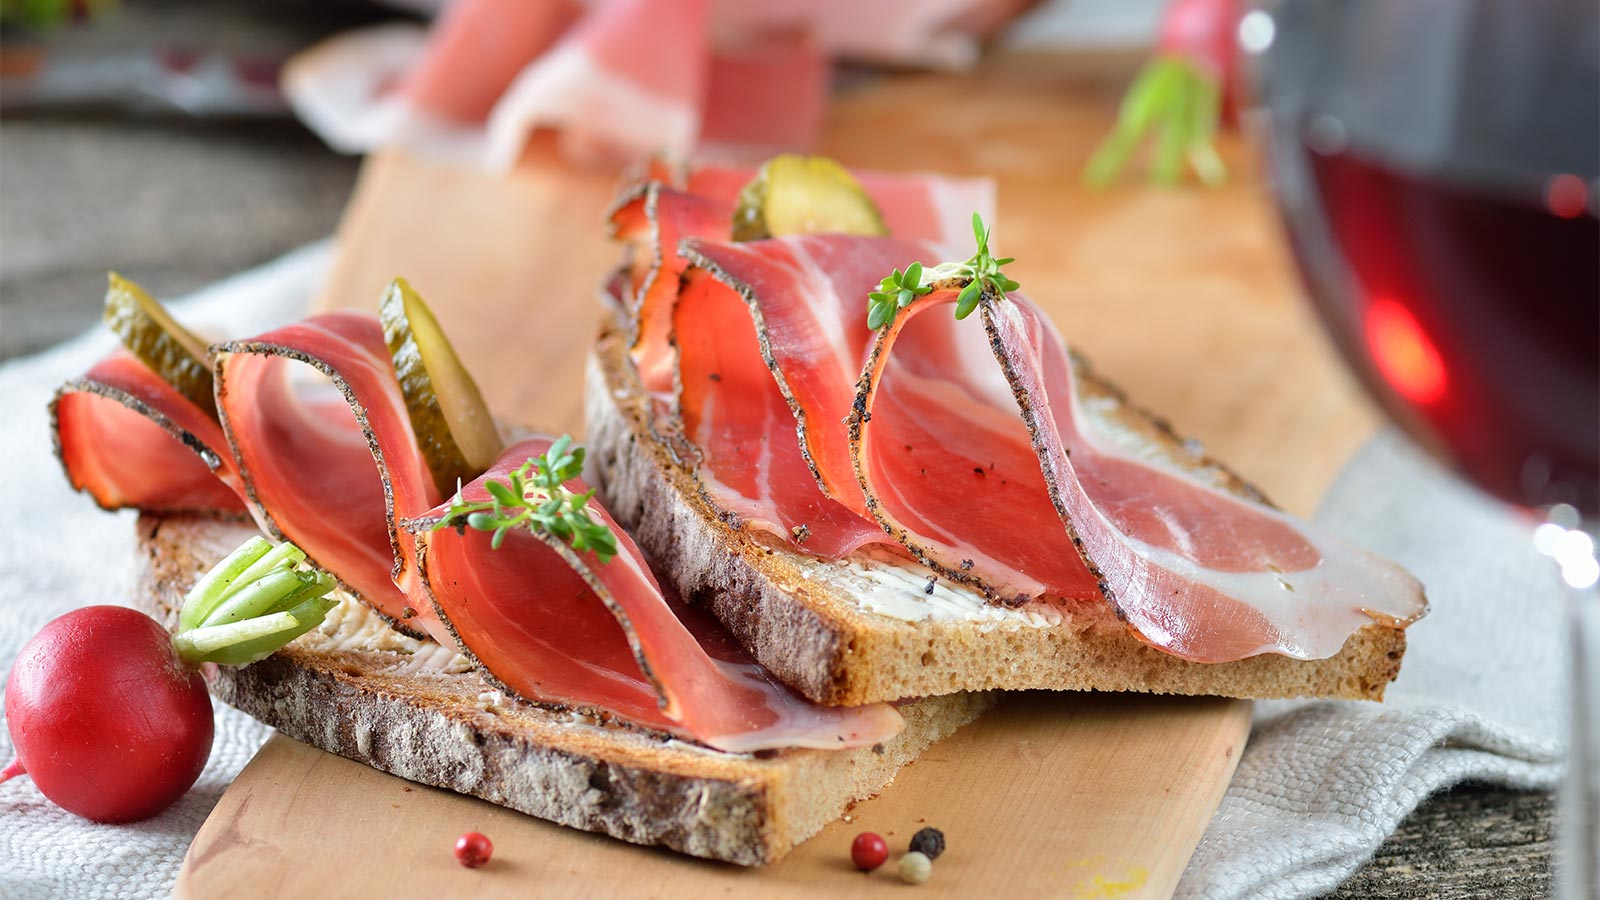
x: 654, y: 221
x: 550, y: 624
x: 309, y: 466
x: 1019, y: 506
x: 499, y: 37
x: 733, y: 412
x: 540, y: 619
x: 1196, y: 571
x: 130, y: 439
x: 1192, y: 569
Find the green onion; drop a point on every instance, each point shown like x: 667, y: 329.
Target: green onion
x: 254, y: 601
x: 215, y: 583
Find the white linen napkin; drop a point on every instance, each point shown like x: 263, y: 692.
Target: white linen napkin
x: 59, y: 551
x: 1481, y: 694
x: 1318, y: 789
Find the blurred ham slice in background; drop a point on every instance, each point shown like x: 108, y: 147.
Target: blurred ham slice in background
x: 617, y: 80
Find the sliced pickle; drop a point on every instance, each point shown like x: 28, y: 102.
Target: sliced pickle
x: 453, y: 426
x: 804, y: 195
x: 173, y: 352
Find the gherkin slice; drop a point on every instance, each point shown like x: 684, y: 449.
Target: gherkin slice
x: 804, y: 195
x: 176, y: 354
x: 453, y: 426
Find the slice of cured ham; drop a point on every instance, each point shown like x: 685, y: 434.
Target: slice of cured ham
x: 499, y: 37
x: 309, y: 466
x: 627, y: 81
x: 550, y: 624
x: 130, y: 439
x: 741, y: 423
x: 1194, y: 570
x: 655, y: 218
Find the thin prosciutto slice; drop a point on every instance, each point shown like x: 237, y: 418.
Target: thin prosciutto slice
x: 499, y: 37
x: 130, y: 439
x: 628, y: 80
x: 654, y: 220
x: 310, y: 467
x: 1192, y: 569
x: 799, y: 329
x: 655, y: 217
x: 553, y: 625
x: 741, y: 423
x: 806, y: 299
x: 542, y: 620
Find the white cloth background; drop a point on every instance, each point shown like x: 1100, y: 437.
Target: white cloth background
x: 1317, y: 790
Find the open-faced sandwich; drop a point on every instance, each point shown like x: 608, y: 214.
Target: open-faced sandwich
x: 882, y: 497
x: 874, y: 500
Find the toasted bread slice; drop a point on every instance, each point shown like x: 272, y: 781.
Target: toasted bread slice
x: 858, y: 631
x: 358, y: 688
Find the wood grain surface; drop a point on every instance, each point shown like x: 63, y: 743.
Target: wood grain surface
x: 1184, y: 297
x: 1065, y: 795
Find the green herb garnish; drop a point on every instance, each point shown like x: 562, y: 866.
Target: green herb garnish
x: 981, y: 271
x: 535, y: 497
x: 895, y: 291
x: 984, y: 270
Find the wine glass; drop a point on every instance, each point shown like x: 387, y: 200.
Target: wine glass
x: 1437, y: 164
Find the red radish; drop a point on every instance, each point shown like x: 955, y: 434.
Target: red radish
x: 107, y: 710
x: 106, y: 718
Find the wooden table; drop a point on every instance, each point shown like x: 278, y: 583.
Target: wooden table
x: 176, y: 204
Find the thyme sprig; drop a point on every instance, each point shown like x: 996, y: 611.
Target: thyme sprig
x: 981, y: 271
x: 984, y: 270
x: 895, y: 291
x: 535, y: 497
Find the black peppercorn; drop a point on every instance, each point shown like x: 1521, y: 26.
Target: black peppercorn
x: 929, y: 842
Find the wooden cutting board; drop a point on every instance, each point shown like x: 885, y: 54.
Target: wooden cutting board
x: 1185, y: 297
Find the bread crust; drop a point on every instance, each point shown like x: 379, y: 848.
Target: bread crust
x: 367, y: 696
x: 801, y: 618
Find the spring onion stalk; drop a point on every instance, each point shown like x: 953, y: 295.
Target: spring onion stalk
x: 1180, y: 105
x: 283, y: 555
x: 215, y: 583
x: 257, y: 599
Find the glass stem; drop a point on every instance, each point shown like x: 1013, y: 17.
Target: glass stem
x: 1578, y: 855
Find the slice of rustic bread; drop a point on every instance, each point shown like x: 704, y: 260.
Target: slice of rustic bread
x: 358, y: 688
x: 857, y: 632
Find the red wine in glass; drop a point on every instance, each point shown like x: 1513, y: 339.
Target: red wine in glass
x: 1473, y: 312
x: 1437, y: 163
